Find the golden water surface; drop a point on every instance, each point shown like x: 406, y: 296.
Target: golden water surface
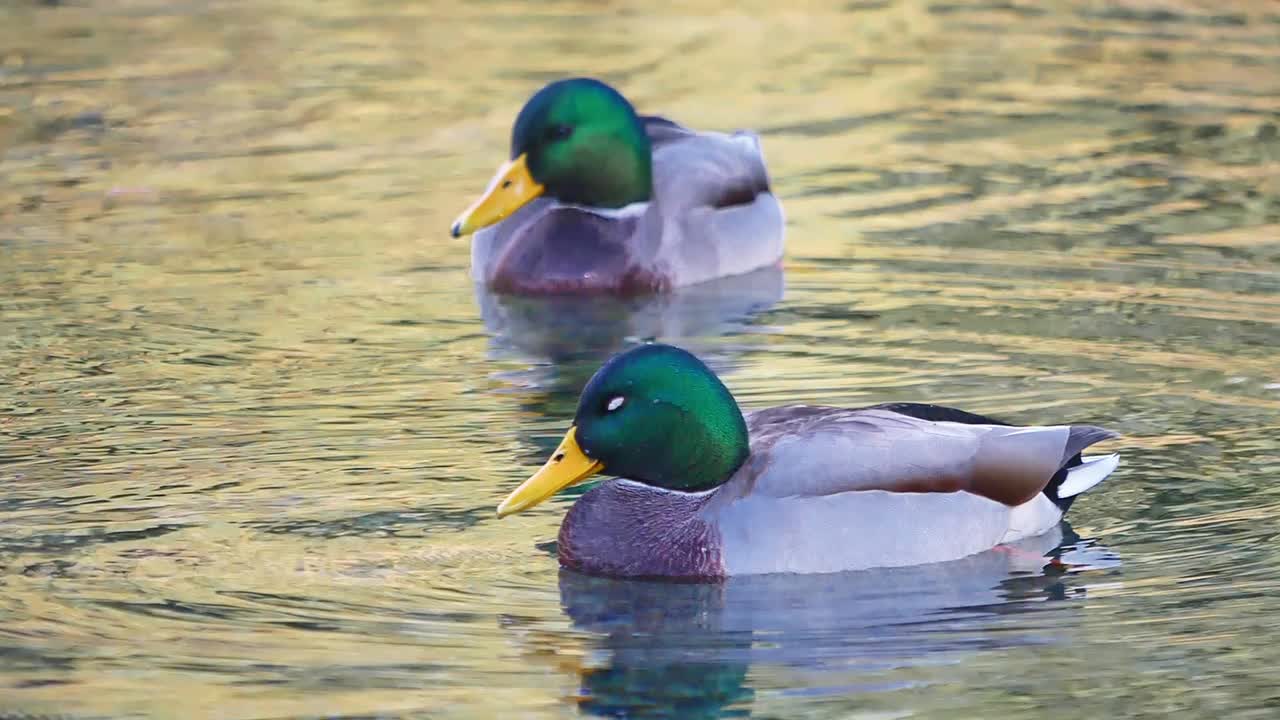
x: 254, y: 417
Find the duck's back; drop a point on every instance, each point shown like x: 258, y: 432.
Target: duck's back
x: 714, y: 200
x: 830, y: 489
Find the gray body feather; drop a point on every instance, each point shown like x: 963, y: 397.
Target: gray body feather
x: 832, y: 489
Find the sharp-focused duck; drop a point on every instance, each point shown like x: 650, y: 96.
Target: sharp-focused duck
x: 705, y: 492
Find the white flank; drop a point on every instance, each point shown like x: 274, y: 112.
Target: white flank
x: 1033, y: 517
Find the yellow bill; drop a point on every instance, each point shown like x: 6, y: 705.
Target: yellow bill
x: 568, y: 466
x: 511, y: 188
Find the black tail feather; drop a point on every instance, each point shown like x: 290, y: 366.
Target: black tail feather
x: 1082, y: 436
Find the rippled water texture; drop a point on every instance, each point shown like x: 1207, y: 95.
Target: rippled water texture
x: 256, y: 418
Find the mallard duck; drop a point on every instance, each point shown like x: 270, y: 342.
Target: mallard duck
x: 704, y: 492
x: 599, y: 199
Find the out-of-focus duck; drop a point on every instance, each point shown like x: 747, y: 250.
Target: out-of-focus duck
x: 598, y: 199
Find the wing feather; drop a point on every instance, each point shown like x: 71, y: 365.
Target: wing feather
x: 814, y: 451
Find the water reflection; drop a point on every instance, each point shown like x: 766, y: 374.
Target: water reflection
x: 684, y: 650
x: 570, y: 329
x: 219, y: 363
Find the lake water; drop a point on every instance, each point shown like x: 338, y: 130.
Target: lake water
x: 256, y: 419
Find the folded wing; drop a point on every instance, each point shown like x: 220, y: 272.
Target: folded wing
x: 802, y: 451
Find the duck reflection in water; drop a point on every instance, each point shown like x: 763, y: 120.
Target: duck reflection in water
x: 568, y: 328
x: 684, y: 650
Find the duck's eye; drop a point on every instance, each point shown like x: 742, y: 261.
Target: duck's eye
x: 559, y: 132
x: 614, y: 403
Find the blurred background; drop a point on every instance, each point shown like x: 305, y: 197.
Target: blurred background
x: 255, y: 416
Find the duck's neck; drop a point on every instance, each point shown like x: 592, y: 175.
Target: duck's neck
x: 611, y: 173
x: 624, y: 529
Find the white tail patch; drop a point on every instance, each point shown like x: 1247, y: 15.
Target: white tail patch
x: 1090, y: 472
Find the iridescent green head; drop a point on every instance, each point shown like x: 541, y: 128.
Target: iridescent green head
x: 585, y: 144
x: 655, y: 414
x: 658, y: 415
x: 575, y: 140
